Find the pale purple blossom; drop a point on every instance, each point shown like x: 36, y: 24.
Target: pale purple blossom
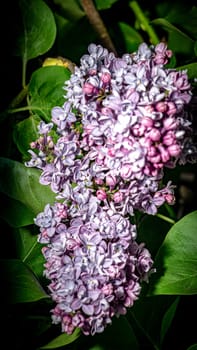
x: 132, y: 125
x: 94, y: 265
x: 123, y: 122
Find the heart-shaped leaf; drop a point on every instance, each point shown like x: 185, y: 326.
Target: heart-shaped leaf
x: 22, y: 184
x: 178, y: 41
x: 19, y: 284
x: 62, y: 340
x: 46, y: 89
x: 29, y: 250
x: 168, y: 317
x: 131, y: 36
x: 24, y: 133
x: 15, y: 213
x: 38, y: 29
x: 176, y: 261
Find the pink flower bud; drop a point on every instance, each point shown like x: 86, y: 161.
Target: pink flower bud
x: 147, y: 121
x: 101, y: 194
x: 88, y: 89
x: 168, y: 139
x: 171, y: 108
x: 138, y: 130
x: 155, y: 134
x: 158, y: 165
x: 169, y: 53
x: 106, y: 77
x: 118, y: 197
x: 154, y: 172
x: 161, y: 107
x: 98, y: 181
x: 174, y: 150
x: 155, y: 159
x: 152, y: 151
x: 164, y: 154
x: 111, y: 152
x: 33, y: 145
x: 147, y: 170
x: 107, y: 289
x: 159, y: 59
x: 170, y: 199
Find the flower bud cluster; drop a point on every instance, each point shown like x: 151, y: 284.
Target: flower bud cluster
x: 122, y: 123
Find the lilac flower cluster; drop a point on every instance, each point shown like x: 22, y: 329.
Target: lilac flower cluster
x: 94, y: 264
x: 122, y: 122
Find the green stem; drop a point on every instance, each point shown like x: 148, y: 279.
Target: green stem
x: 19, y: 98
x: 24, y: 66
x: 27, y: 108
x: 166, y: 218
x: 144, y: 22
x: 20, y: 109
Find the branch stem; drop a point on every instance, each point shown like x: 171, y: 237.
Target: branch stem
x: 144, y: 22
x: 98, y: 25
x: 166, y: 218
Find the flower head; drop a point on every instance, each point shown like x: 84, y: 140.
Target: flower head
x: 123, y: 122
x: 95, y: 266
x: 123, y: 119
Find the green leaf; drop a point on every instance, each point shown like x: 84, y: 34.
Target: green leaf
x: 152, y: 230
x: 29, y: 250
x: 119, y: 335
x: 147, y: 316
x: 103, y: 5
x: 22, y: 184
x: 20, y: 284
x: 46, y: 89
x: 70, y: 9
x: 62, y: 340
x: 168, y: 317
x: 176, y: 261
x: 191, y: 70
x: 178, y: 41
x: 25, y: 132
x: 15, y: 213
x: 192, y: 347
x: 131, y: 36
x: 38, y: 29
x: 184, y: 15
x: 195, y: 48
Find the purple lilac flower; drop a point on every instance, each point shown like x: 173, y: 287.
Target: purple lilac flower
x: 132, y: 125
x: 123, y: 122
x: 94, y: 265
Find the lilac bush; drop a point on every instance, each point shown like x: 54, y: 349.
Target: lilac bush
x: 123, y: 122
